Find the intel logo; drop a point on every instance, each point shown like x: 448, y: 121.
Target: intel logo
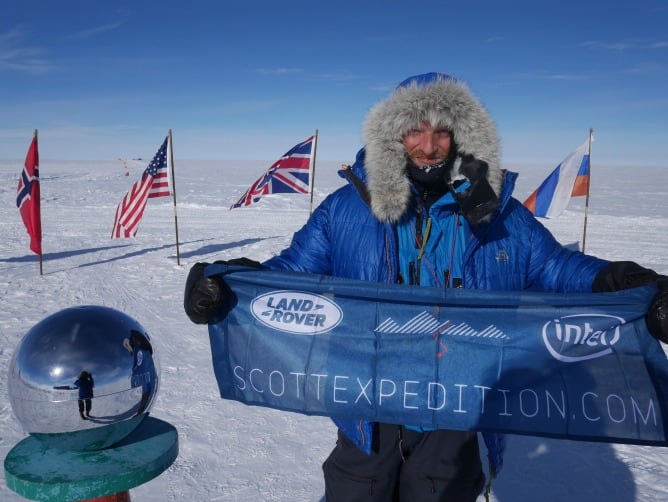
x: 296, y: 312
x: 579, y: 337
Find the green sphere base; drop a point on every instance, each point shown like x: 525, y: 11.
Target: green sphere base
x: 39, y: 472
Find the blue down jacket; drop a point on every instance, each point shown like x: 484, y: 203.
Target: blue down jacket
x: 512, y: 252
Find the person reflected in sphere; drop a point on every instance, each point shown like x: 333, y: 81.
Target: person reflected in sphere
x: 143, y: 369
x: 85, y: 385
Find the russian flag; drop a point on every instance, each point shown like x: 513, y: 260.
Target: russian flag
x: 569, y: 179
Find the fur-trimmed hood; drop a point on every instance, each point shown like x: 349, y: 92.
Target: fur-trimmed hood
x: 443, y: 102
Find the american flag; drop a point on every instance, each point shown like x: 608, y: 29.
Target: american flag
x: 28, y: 198
x: 153, y: 183
x: 289, y: 174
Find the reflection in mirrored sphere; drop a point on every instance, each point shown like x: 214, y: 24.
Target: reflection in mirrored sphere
x: 83, y: 378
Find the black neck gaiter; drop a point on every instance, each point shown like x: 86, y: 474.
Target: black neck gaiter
x: 431, y: 185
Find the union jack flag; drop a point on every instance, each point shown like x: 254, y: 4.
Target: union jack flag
x: 289, y: 174
x: 153, y: 183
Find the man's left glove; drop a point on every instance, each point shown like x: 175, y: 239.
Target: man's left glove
x: 657, y: 315
x: 619, y: 275
x: 207, y: 297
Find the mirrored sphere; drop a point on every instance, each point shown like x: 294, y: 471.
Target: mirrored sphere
x: 83, y: 378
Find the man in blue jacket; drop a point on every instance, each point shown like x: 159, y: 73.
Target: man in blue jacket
x: 427, y: 204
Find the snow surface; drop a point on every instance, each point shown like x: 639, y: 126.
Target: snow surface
x: 232, y: 452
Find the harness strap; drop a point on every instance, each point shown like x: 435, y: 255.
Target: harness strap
x: 361, y: 187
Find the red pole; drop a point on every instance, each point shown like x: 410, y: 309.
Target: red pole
x: 116, y: 497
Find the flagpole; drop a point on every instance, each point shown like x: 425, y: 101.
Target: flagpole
x: 315, y: 146
x: 40, y: 216
x: 176, y: 224
x: 586, y: 212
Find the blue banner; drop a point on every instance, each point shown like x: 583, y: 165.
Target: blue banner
x: 576, y: 366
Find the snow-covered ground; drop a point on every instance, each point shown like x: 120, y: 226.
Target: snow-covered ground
x: 233, y: 452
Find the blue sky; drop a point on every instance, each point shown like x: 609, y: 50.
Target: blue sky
x: 248, y: 80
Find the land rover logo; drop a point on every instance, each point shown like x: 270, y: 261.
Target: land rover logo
x: 296, y: 312
x: 579, y: 337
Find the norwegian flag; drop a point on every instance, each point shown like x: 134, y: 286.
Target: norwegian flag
x: 289, y: 174
x: 153, y: 183
x: 28, y: 195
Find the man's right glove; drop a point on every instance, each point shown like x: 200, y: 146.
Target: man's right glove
x: 207, y: 297
x: 479, y: 201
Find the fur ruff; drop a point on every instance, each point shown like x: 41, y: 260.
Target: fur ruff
x: 442, y: 103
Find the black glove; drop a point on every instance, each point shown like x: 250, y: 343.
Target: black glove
x: 479, y: 201
x: 207, y: 297
x: 619, y: 275
x: 657, y: 315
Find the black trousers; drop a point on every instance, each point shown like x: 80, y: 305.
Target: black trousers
x: 85, y: 406
x: 406, y: 466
